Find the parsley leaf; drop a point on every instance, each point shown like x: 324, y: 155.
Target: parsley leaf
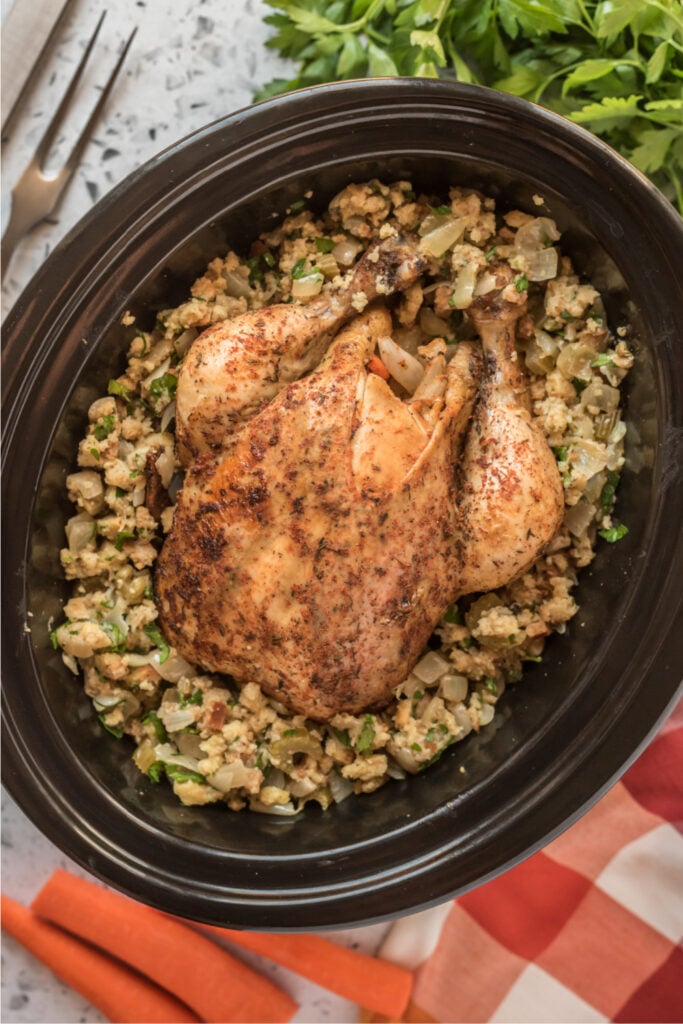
x: 156, y: 636
x: 367, y: 735
x: 614, y: 533
x: 614, y: 67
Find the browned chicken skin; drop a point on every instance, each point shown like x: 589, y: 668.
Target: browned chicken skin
x: 317, y: 555
x: 237, y: 366
x: 325, y: 525
x: 511, y: 500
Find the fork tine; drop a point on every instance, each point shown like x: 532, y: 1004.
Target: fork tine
x: 43, y: 147
x: 82, y: 140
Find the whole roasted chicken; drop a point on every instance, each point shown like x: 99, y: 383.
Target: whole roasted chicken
x: 325, y: 524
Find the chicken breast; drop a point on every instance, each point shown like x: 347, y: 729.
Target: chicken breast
x: 317, y: 554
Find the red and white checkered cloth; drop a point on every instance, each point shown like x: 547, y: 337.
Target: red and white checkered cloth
x: 589, y: 929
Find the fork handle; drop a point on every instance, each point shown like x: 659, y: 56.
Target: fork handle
x: 7, y: 247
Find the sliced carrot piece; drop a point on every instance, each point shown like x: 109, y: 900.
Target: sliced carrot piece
x: 218, y: 986
x: 375, y: 984
x: 122, y: 995
x: 376, y: 365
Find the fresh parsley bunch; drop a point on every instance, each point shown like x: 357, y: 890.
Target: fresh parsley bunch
x: 614, y: 66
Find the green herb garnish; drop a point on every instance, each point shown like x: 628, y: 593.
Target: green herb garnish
x: 104, y: 428
x: 115, y: 387
x: 156, y: 636
x: 152, y: 718
x: 115, y: 634
x: 299, y: 269
x: 324, y: 244
x: 614, y: 533
x: 121, y: 537
x: 603, y: 360
x: 164, y: 386
x: 367, y: 735
x: 194, y: 699
x: 112, y: 730
x: 522, y: 283
x: 608, y: 491
x: 613, y: 67
x: 342, y: 736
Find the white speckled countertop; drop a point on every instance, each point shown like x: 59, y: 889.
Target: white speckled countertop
x: 191, y: 62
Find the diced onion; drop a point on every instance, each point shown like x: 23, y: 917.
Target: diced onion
x: 346, y: 251
x: 578, y: 518
x: 176, y: 719
x: 408, y: 338
x: 86, y: 483
x: 442, y: 235
x: 308, y: 286
x: 138, y: 660
x: 71, y: 663
x: 463, y: 291
x: 575, y: 360
x: 138, y: 495
x: 394, y: 770
x: 115, y: 616
x: 587, y: 457
x: 536, y: 362
x: 409, y: 686
x: 182, y: 343
x: 80, y: 530
x: 165, y: 466
x: 453, y: 688
x: 486, y: 714
x: 340, y: 787
x: 536, y: 234
x: 327, y: 264
x: 168, y: 415
x: 430, y: 668
x: 237, y: 284
x: 432, y: 711
x: 432, y: 324
x: 230, y: 776
x: 284, y: 810
x: 189, y: 744
x: 402, y: 366
x: 542, y: 265
x: 168, y: 753
x: 302, y: 788
x: 486, y: 283
x: 462, y: 718
x: 173, y: 669
x: 601, y: 395
x: 106, y: 701
x: 100, y: 407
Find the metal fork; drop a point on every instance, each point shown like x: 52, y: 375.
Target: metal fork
x: 36, y: 195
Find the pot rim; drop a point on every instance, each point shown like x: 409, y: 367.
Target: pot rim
x: 81, y: 821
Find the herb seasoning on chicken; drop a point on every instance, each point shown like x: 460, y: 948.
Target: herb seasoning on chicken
x: 398, y: 433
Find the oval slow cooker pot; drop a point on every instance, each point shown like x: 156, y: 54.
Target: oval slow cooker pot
x: 561, y: 736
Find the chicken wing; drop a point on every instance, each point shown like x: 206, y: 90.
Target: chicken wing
x: 235, y: 367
